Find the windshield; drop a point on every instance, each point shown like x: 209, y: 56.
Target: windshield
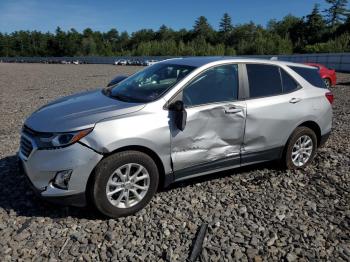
x: 149, y: 84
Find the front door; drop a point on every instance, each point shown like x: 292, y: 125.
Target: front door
x: 214, y: 129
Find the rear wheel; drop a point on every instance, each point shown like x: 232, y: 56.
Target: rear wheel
x: 301, y: 148
x: 327, y: 82
x: 124, y: 183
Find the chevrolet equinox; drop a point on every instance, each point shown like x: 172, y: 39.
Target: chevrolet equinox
x: 174, y: 120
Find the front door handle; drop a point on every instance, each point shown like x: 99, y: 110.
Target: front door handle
x: 232, y: 110
x: 295, y: 100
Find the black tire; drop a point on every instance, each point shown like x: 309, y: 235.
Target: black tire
x: 327, y: 82
x: 298, y: 132
x: 103, y: 172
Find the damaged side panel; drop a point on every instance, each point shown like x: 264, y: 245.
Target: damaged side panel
x: 271, y: 120
x: 212, y: 132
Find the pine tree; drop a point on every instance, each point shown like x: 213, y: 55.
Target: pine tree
x: 337, y: 12
x: 315, y: 26
x: 226, y: 24
x: 202, y: 28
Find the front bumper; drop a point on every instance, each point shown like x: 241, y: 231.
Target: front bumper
x: 42, y: 165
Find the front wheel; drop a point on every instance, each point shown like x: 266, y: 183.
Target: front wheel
x: 124, y: 183
x: 301, y: 148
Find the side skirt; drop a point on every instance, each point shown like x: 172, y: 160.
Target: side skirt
x: 224, y: 164
x: 207, y: 168
x: 248, y: 158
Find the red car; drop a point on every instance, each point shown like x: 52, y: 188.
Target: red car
x: 328, y: 75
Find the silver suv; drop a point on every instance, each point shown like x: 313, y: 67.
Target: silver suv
x: 175, y: 120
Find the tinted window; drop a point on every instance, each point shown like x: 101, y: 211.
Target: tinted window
x: 264, y: 80
x: 214, y: 85
x: 310, y: 75
x: 150, y: 83
x: 288, y: 82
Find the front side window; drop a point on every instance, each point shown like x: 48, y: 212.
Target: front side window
x: 264, y: 80
x: 217, y: 84
x: 149, y: 84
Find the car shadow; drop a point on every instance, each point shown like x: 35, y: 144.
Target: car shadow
x: 343, y: 83
x: 17, y: 196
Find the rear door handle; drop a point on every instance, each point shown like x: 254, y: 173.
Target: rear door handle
x: 232, y: 110
x: 294, y: 100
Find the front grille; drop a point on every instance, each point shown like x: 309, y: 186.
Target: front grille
x: 26, y: 146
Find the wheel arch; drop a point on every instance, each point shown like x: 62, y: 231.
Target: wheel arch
x: 314, y: 127
x: 143, y: 149
x: 310, y: 124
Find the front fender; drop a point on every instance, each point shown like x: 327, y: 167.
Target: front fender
x: 149, y: 130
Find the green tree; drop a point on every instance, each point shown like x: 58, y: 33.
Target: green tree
x: 291, y: 27
x: 337, y: 12
x: 344, y: 28
x: 164, y: 33
x: 339, y: 44
x: 202, y: 29
x: 226, y: 24
x: 88, y: 46
x: 290, y: 34
x: 315, y: 26
x: 225, y: 27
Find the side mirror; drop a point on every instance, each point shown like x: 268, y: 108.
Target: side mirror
x: 180, y: 114
x: 116, y: 80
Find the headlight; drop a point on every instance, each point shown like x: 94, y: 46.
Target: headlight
x: 57, y: 140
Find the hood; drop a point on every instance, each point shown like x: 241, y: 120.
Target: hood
x: 78, y: 112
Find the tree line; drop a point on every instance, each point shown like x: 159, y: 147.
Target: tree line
x: 320, y: 31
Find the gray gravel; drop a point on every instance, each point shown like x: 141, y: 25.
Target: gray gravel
x: 254, y: 214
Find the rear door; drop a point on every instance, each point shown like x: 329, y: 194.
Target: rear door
x: 274, y: 107
x: 214, y: 130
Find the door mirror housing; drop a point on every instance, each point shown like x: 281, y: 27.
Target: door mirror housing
x: 116, y: 80
x: 180, y: 114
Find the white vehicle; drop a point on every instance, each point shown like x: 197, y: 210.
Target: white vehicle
x: 150, y: 62
x: 120, y: 62
x: 76, y: 62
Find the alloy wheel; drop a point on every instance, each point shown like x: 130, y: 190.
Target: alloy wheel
x: 127, y: 185
x: 302, y: 150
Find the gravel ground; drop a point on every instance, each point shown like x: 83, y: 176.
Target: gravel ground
x: 254, y: 214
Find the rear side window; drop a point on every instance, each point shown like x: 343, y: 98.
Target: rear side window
x: 264, y: 80
x: 288, y: 82
x: 310, y: 75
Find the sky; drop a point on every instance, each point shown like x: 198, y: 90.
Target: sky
x: 132, y: 15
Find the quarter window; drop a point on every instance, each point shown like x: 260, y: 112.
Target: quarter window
x: 311, y: 75
x: 288, y: 82
x: 264, y: 80
x: 217, y: 84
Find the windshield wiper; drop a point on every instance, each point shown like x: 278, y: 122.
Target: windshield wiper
x: 121, y: 97
x: 108, y: 92
x: 124, y: 98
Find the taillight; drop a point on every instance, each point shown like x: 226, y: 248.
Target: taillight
x: 330, y: 97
